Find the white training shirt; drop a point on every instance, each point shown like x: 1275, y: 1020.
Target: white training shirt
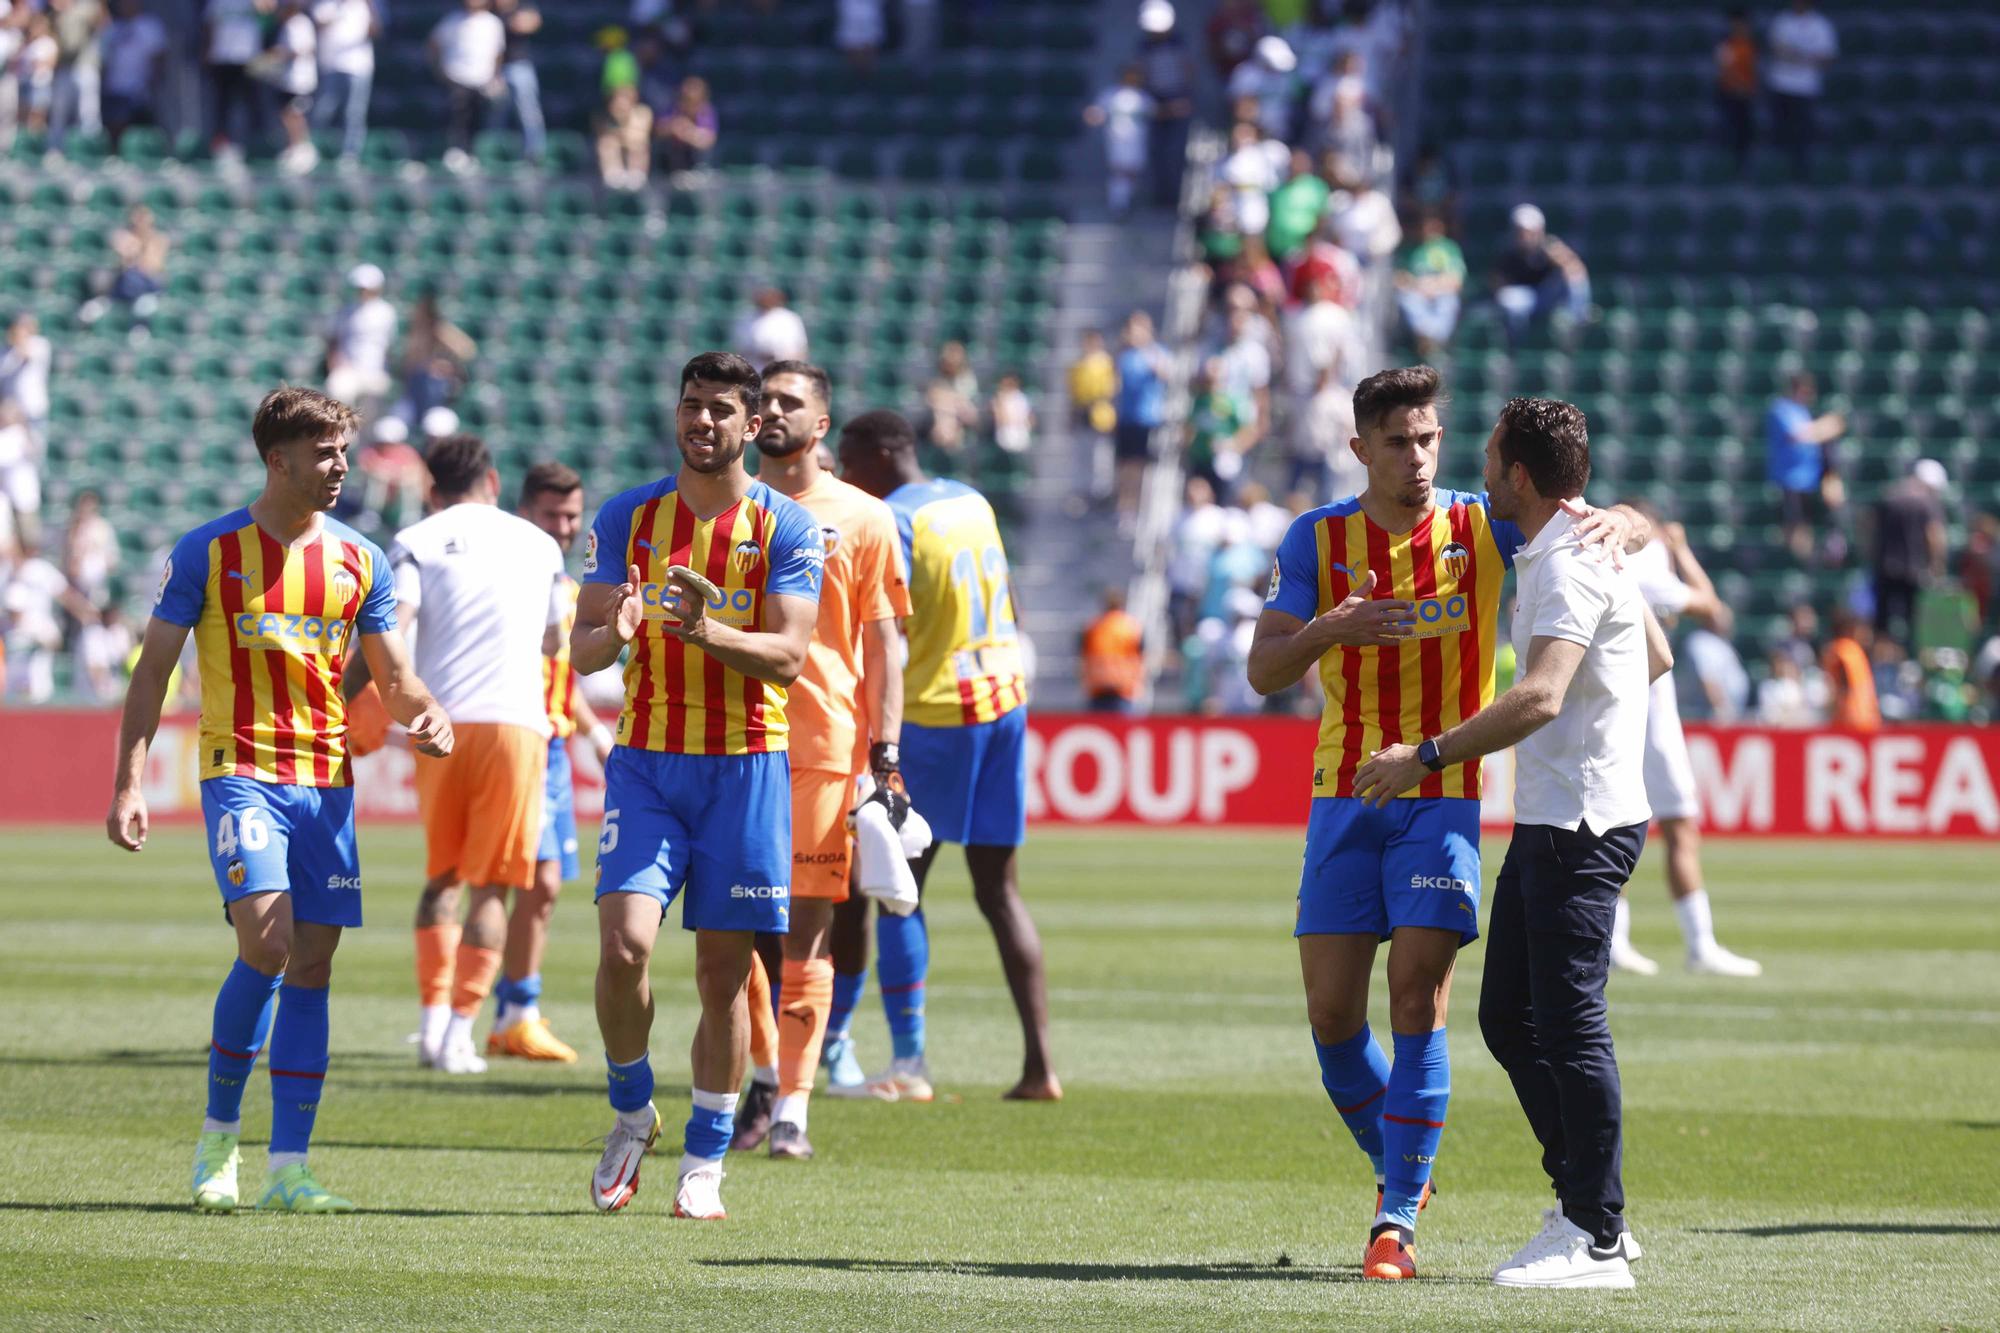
x: 485, y: 586
x: 1653, y: 569
x: 1809, y: 34
x: 469, y: 47
x: 1587, y: 766
x: 344, y: 44
x: 364, y: 333
x: 236, y: 34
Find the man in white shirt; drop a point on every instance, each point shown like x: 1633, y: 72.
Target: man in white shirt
x: 131, y: 48
x: 1802, y: 43
x: 24, y: 373
x: 772, y: 331
x: 482, y: 590
x: 293, y: 63
x: 359, y: 339
x: 1675, y: 585
x: 465, y: 49
x: 235, y: 38
x: 347, y: 33
x: 1576, y: 717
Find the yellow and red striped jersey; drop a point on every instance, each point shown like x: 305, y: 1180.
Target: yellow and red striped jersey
x: 1451, y: 565
x: 965, y: 653
x: 273, y: 625
x: 558, y: 681
x: 678, y: 699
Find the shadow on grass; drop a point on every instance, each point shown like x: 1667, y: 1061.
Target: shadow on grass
x: 581, y: 1146
x: 157, y: 1059
x: 1857, y: 1229
x: 495, y: 1087
x: 1977, y: 1124
x: 97, y: 1206
x: 1062, y: 1272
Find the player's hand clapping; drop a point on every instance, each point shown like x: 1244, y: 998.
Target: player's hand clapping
x: 627, y: 610
x: 691, y: 593
x: 1362, y: 621
x: 430, y: 732
x: 128, y: 820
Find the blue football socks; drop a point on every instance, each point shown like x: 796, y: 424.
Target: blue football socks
x: 903, y: 960
x: 631, y: 1084
x: 298, y: 1066
x: 1355, y: 1074
x: 243, y: 1009
x: 847, y: 987
x: 1413, y: 1116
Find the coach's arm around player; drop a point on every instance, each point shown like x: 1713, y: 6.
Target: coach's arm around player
x: 607, y: 619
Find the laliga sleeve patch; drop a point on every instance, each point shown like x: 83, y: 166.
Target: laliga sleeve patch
x: 1277, y: 581
x: 590, y: 553
x: 166, y: 577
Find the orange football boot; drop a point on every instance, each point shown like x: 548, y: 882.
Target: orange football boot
x: 532, y: 1040
x: 1389, y: 1257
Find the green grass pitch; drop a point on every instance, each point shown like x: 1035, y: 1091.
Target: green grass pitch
x: 1817, y: 1149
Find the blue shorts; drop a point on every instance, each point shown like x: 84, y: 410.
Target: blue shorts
x: 559, y: 811
x: 719, y: 826
x: 297, y: 840
x: 971, y: 783
x: 1368, y: 871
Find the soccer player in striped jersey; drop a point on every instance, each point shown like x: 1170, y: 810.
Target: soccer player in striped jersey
x: 1394, y: 594
x: 697, y: 793
x: 552, y: 500
x: 276, y: 595
x: 964, y: 744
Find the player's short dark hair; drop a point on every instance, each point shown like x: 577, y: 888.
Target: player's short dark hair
x: 294, y: 413
x: 725, y: 368
x: 1551, y: 439
x: 457, y: 462
x: 1404, y: 386
x: 882, y: 429
x: 822, y: 383
x: 549, y: 478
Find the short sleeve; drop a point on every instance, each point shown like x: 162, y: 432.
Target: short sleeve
x: 798, y: 555
x: 906, y: 540
x: 886, y: 591
x: 1295, y: 574
x: 1575, y: 600
x: 408, y: 574
x: 378, y: 607
x: 184, y: 582
x: 604, y: 547
x: 1507, y: 535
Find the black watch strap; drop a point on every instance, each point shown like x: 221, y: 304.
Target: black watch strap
x: 885, y: 757
x: 1427, y: 755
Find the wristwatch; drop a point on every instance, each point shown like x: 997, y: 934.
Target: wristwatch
x: 1427, y: 755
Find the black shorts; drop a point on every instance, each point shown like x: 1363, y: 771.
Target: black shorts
x: 1132, y: 441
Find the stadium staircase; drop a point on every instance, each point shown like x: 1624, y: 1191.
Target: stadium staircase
x: 1877, y: 272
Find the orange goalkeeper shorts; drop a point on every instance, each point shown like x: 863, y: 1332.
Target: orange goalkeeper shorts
x: 482, y: 805
x: 820, y: 841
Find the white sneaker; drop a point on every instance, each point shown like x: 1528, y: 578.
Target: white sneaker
x: 457, y: 161
x: 1552, y: 1221
x: 1625, y: 958
x: 902, y: 1081
x: 1563, y: 1256
x: 459, y: 1057
x: 1715, y: 961
x: 699, y: 1193
x: 299, y: 159
x: 616, y: 1179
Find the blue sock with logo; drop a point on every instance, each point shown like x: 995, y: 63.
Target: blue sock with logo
x: 1355, y: 1075
x: 903, y: 960
x: 1413, y: 1122
x: 243, y: 1010
x: 513, y: 996
x: 847, y: 987
x: 631, y: 1084
x: 298, y: 1066
x: 711, y: 1120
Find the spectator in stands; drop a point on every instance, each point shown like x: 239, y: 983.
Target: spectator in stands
x: 1719, y: 674
x: 1344, y: 121
x: 76, y: 97
x: 139, y: 252
x: 1253, y: 170
x: 659, y: 79
x: 20, y: 473
x: 101, y: 653
x: 1850, y: 674
x: 1979, y: 563
x: 1802, y: 43
x: 1219, y: 431
x: 1736, y: 87
x: 1200, y: 528
x: 523, y: 19
x: 1243, y: 371
x: 951, y: 401
x: 1266, y: 78
x: 293, y: 62
x: 1364, y: 219
x: 13, y: 19
x: 35, y: 72
x: 1141, y: 408
x: 1909, y: 548
x: 1325, y: 261
x: 465, y: 50
x: 1269, y: 520
x: 1785, y: 697
x: 1233, y: 31
x: 859, y: 29
x: 358, y: 339
x: 348, y: 30
x: 24, y: 374
x: 1323, y: 466
x: 687, y: 135
x: 90, y: 548
x: 1220, y: 235
x: 1169, y: 81
x: 1537, y: 274
x: 392, y: 479
x: 1800, y: 641
x: 1430, y: 278
x: 133, y: 48
x: 436, y: 353
x: 625, y: 140
x: 1297, y: 207
x: 1093, y: 383
x: 1112, y: 658
x: 1013, y: 414
x: 235, y: 38
x: 30, y: 622
x: 1432, y: 187
x: 1800, y: 465
x: 1322, y: 338
x: 772, y: 330
x: 1125, y: 113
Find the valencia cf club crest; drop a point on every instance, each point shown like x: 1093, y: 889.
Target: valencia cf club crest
x: 745, y: 556
x: 237, y: 874
x: 343, y: 585
x: 1456, y: 560
x: 831, y: 536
